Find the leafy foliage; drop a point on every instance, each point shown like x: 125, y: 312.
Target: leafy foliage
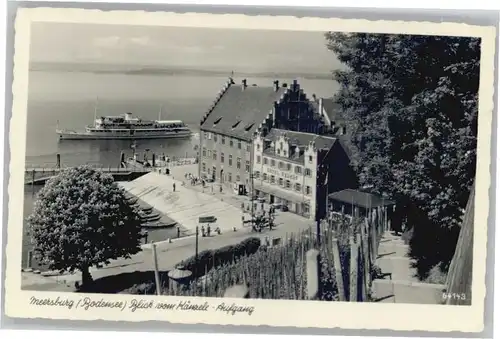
x: 82, y: 219
x: 411, y: 103
x: 209, y: 259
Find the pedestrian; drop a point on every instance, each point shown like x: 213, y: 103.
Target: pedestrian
x: 173, y: 185
x: 202, y: 231
x: 178, y: 232
x: 208, y: 230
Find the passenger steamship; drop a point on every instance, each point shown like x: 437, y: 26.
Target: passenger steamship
x: 127, y: 126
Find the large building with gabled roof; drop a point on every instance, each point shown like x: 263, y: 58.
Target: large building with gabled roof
x: 238, y: 113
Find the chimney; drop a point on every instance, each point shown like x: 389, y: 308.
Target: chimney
x: 276, y: 85
x: 243, y: 84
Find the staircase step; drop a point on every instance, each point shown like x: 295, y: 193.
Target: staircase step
x: 400, y: 291
x: 399, y: 267
x: 392, y: 249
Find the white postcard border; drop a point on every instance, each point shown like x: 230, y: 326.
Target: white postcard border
x: 267, y: 312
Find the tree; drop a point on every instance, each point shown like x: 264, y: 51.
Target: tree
x: 411, y: 103
x: 82, y: 219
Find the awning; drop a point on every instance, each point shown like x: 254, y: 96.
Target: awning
x: 361, y: 199
x: 281, y: 193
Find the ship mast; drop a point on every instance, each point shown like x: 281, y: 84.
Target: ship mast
x: 159, y: 113
x: 95, y: 110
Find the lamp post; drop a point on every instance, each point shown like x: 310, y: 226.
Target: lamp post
x: 251, y: 198
x: 196, y: 252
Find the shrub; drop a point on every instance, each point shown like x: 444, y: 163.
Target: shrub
x: 143, y: 288
x: 209, y: 259
x: 436, y: 276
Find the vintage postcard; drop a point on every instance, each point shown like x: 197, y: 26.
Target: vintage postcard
x: 226, y: 169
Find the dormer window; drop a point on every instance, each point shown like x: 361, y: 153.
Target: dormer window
x: 236, y: 124
x: 217, y: 121
x: 249, y: 126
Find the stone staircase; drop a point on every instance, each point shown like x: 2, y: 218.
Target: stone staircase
x: 399, y: 284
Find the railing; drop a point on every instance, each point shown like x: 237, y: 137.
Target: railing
x: 108, y: 169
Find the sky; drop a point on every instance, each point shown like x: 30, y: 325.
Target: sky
x: 200, y: 48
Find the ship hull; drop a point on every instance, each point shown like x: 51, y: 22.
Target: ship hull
x: 138, y: 136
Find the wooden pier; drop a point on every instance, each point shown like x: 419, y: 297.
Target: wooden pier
x: 39, y: 175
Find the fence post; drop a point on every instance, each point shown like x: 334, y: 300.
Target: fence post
x: 374, y: 242
x: 313, y: 274
x: 367, y: 258
x: 353, y: 271
x: 362, y: 259
x: 339, y: 276
x: 157, y: 273
x: 58, y: 160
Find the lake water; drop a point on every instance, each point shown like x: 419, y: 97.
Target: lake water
x: 69, y: 98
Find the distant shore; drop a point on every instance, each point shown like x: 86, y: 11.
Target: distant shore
x: 159, y: 70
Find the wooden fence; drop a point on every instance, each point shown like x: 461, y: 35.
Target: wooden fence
x: 338, y: 265
x: 459, y: 280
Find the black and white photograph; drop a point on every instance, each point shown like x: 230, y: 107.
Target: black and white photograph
x: 202, y: 168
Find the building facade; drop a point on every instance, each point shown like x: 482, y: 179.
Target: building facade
x: 239, y: 112
x: 299, y: 170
